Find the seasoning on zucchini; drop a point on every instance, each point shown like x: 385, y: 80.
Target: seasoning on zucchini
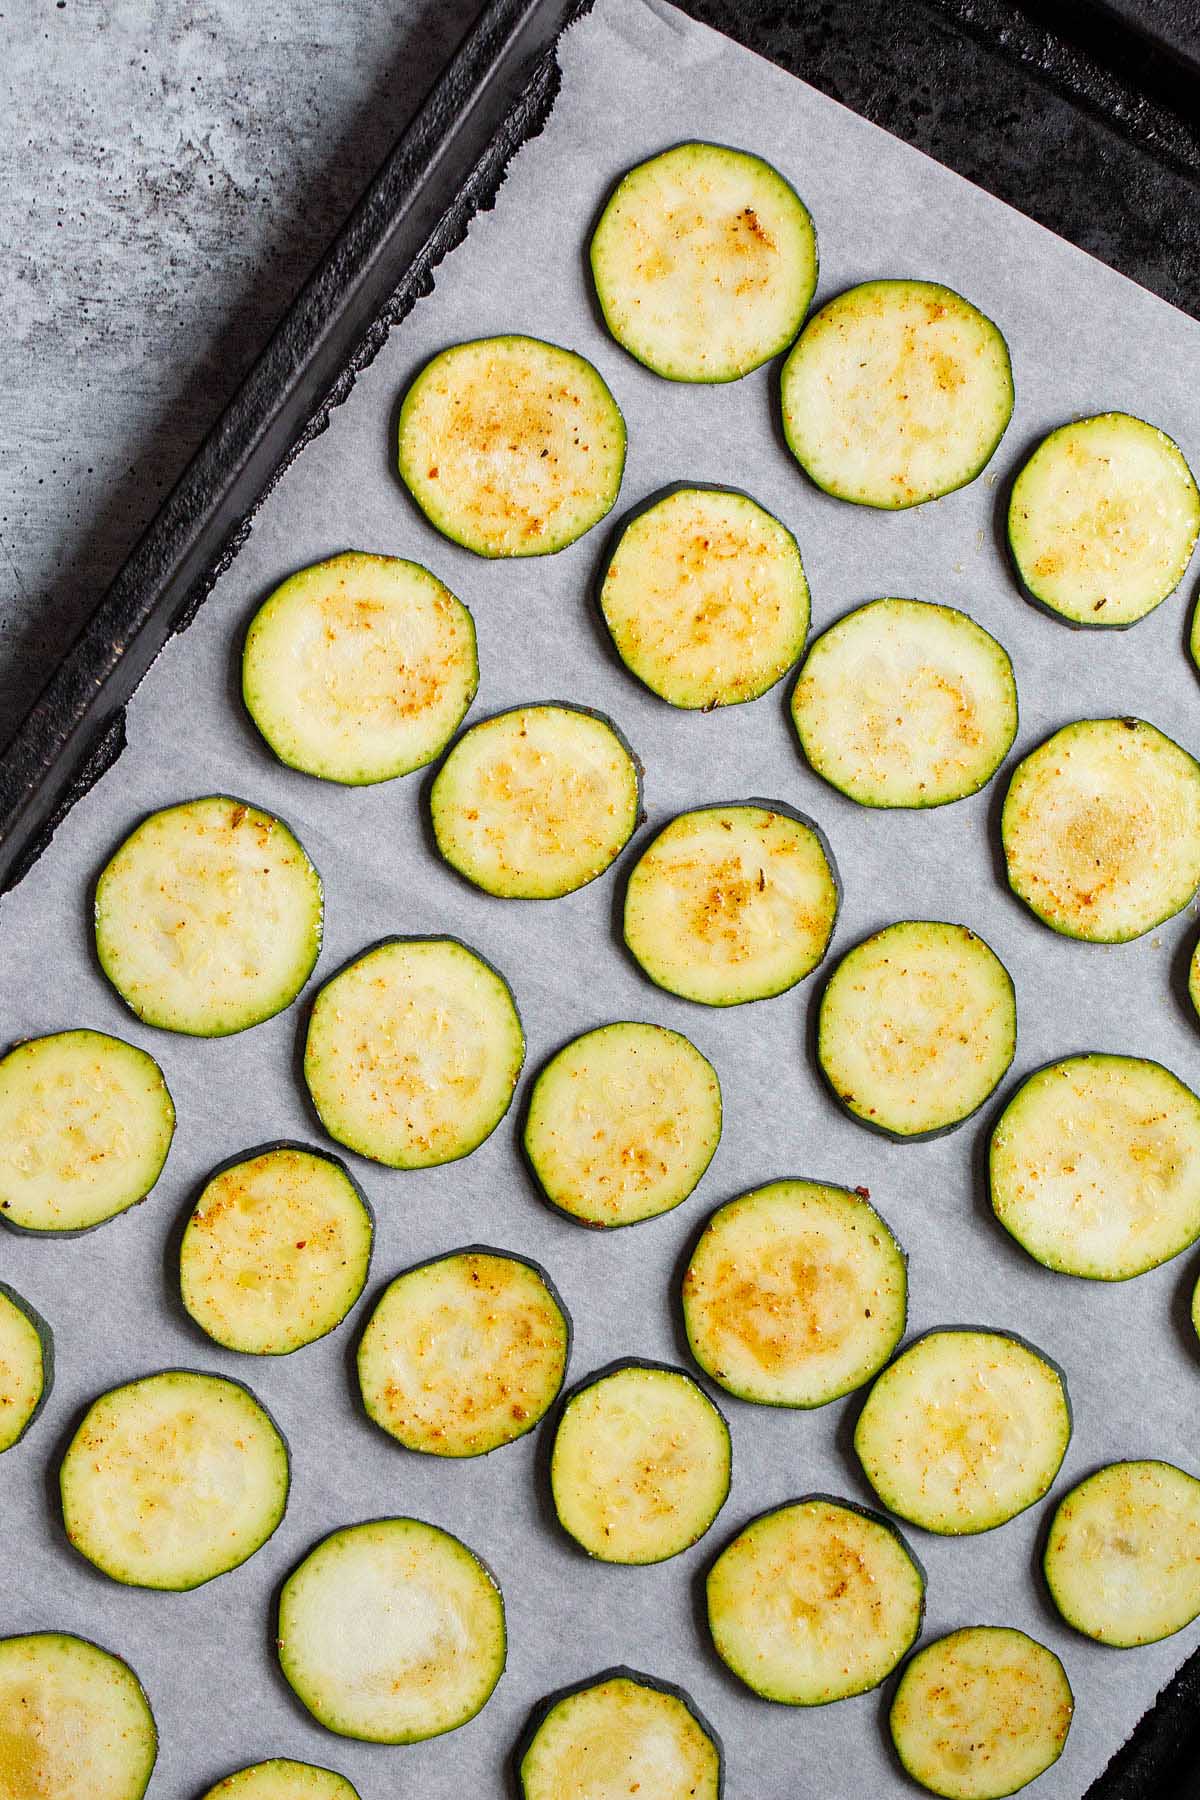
x: 391, y: 1631
x: 277, y: 1250
x: 917, y: 1025
x: 173, y: 1480
x: 981, y: 1712
x: 617, y: 1734
x: 815, y: 1601
x: 282, y: 1779
x: 641, y: 1463
x: 964, y: 1430
x: 1122, y: 1559
x: 705, y: 261
x: 208, y: 917
x: 902, y: 703
x: 1101, y: 829
x: 76, y: 1722
x: 622, y: 1123
x: 536, y: 802
x: 511, y: 446
x: 464, y: 1353
x: 360, y: 668
x: 413, y: 1052
x: 1095, y: 1166
x: 85, y: 1125
x: 26, y: 1365
x: 897, y: 392
x: 1103, y: 519
x: 795, y: 1294
x: 732, y: 903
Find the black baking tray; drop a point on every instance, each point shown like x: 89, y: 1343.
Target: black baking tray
x: 1082, y: 113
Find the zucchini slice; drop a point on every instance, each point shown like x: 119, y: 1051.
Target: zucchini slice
x: 1094, y: 1166
x: 26, y: 1365
x: 1103, y: 519
x: 360, y: 668
x: 1101, y: 829
x: 902, y: 703
x: 1122, y: 1559
x: 392, y: 1631
x: 413, y: 1052
x: 464, y: 1353
x: 641, y: 1463
x: 705, y: 598
x: 618, y: 1734
x: 815, y: 1601
x: 277, y: 1250
x: 964, y: 1430
x: 796, y: 1293
x: 1194, y: 979
x: 76, y: 1724
x: 511, y: 446
x: 917, y: 1026
x: 622, y: 1123
x: 282, y: 1779
x: 208, y: 917
x: 732, y: 903
x: 173, y: 1480
x: 981, y: 1712
x: 897, y: 392
x: 85, y: 1125
x: 536, y: 802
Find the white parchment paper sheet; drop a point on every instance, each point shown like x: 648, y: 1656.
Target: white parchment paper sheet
x: 637, y: 77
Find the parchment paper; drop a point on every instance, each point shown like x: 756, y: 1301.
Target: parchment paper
x: 637, y: 77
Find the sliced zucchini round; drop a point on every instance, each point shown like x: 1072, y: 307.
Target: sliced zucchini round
x: 1103, y: 519
x: 536, y: 802
x: 282, y: 1779
x: 1101, y: 829
x: 641, y: 1463
x: 464, y: 1353
x: 511, y: 446
x: 705, y: 598
x: 1122, y: 1559
x: 815, y: 1601
x: 76, y: 1724
x: 85, y: 1125
x: 413, y: 1052
x: 622, y: 1123
x: 391, y: 1631
x: 917, y: 1026
x: 618, y: 1734
x: 1194, y: 979
x: 276, y: 1252
x: 208, y: 917
x: 360, y: 668
x: 732, y: 903
x: 705, y: 261
x: 980, y: 1713
x: 964, y: 1430
x: 902, y: 703
x: 1094, y: 1166
x: 796, y: 1293
x: 173, y: 1480
x: 897, y: 392
x: 26, y: 1365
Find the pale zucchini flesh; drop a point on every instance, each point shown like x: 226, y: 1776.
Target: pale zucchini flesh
x: 511, y: 446
x: 964, y: 1430
x: 897, y: 392
x: 536, y: 802
x: 1193, y: 984
x: 622, y: 1123
x: 904, y: 703
x: 74, y: 1721
x: 917, y: 1026
x: 26, y: 1365
x: 732, y: 903
x: 1122, y: 1559
x: 283, y: 1779
x: 391, y: 1632
x: 705, y: 261
x: 620, y: 1734
x: 1101, y: 829
x: 360, y: 668
x: 795, y: 1294
x: 208, y: 917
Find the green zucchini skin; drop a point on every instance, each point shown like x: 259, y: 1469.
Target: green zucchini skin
x: 619, y: 1672
x: 45, y: 1339
x: 125, y: 1669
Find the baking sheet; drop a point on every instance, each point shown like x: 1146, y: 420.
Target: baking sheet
x: 637, y: 77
